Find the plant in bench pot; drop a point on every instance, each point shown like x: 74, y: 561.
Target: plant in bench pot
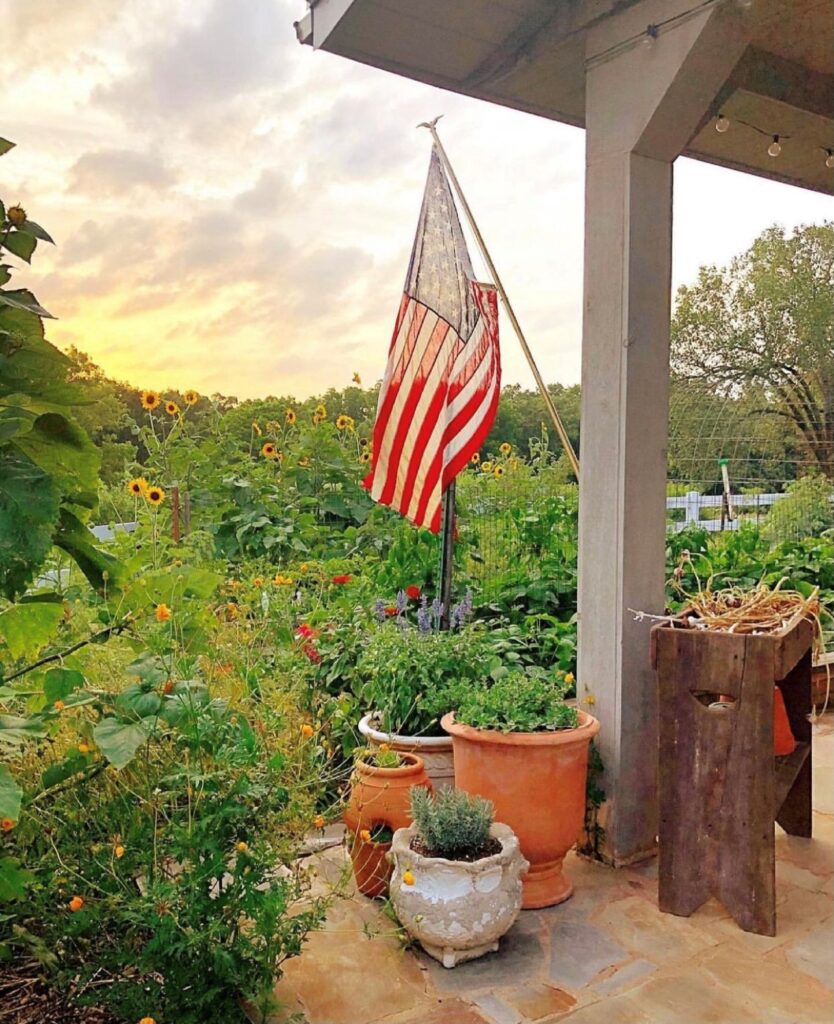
x: 410, y: 673
x: 456, y: 885
x: 521, y: 746
x: 380, y: 797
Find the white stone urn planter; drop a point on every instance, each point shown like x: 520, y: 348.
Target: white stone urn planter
x: 456, y: 909
x: 436, y: 752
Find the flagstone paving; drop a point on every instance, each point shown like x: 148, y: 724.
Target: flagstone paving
x: 606, y: 955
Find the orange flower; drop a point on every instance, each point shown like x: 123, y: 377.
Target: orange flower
x: 384, y: 748
x: 306, y: 730
x: 318, y: 821
x: 75, y: 904
x: 162, y: 613
x: 231, y: 611
x: 258, y: 581
x: 365, y: 835
x: 118, y: 852
x: 242, y: 847
x: 83, y: 748
x: 59, y: 705
x: 6, y: 824
x: 408, y: 878
x: 268, y: 450
x: 168, y: 687
x: 147, y: 1020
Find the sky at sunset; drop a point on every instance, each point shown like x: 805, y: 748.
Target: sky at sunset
x: 234, y: 212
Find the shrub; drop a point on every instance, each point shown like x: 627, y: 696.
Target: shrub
x: 518, y: 702
x: 451, y: 824
x: 806, y: 511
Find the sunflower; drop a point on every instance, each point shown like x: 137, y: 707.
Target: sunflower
x: 365, y: 457
x: 304, y: 463
x: 344, y: 422
x: 321, y: 411
x: 486, y: 467
x: 318, y: 419
x: 138, y: 486
x: 505, y: 448
x: 363, y: 441
x: 498, y: 471
x: 150, y: 400
x: 357, y: 379
x: 291, y: 417
x: 256, y: 429
x: 279, y: 455
x: 191, y: 397
x: 476, y: 458
x: 172, y: 408
x: 268, y: 450
x: 154, y: 495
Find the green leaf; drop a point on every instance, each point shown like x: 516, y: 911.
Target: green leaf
x: 64, y: 450
x: 74, y: 538
x: 21, y: 244
x: 138, y: 701
x: 5, y: 146
x: 10, y: 795
x: 13, y: 879
x: 14, y: 732
x: 26, y: 628
x: 22, y: 299
x: 119, y: 741
x: 64, y: 769
x: 60, y: 682
x: 32, y: 228
x: 150, y: 668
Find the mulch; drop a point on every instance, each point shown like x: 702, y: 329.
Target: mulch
x: 490, y: 847
x: 25, y: 998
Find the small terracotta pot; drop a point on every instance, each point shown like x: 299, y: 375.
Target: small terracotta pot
x: 371, y: 867
x: 434, y: 751
x: 784, y: 741
x: 537, y: 783
x: 382, y: 796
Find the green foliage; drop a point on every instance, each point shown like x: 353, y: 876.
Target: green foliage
x: 451, y: 824
x: 806, y: 511
x: 518, y: 702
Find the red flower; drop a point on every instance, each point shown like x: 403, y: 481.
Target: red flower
x: 311, y: 653
x: 342, y: 579
x: 391, y: 610
x: 413, y: 592
x: 305, y: 631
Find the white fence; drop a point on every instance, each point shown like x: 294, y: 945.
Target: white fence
x: 693, y: 501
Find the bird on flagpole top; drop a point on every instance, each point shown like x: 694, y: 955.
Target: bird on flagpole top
x: 431, y: 125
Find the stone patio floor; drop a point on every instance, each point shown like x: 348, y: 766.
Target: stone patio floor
x: 606, y: 956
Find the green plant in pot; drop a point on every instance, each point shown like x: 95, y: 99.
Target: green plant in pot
x: 456, y: 885
x: 520, y: 745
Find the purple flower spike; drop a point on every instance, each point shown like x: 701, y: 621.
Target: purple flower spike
x: 423, y: 619
x: 379, y: 609
x: 402, y: 602
x: 437, y: 608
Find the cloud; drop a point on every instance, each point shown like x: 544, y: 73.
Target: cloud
x: 118, y: 172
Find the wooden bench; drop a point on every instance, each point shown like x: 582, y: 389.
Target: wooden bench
x: 720, y: 787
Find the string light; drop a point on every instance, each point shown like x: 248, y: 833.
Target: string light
x: 722, y: 124
x: 775, y: 148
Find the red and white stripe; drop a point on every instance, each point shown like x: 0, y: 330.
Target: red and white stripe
x: 436, y: 406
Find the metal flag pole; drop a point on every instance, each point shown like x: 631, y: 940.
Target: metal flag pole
x: 447, y: 553
x: 548, y: 401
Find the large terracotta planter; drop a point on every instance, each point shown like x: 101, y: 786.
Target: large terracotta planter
x: 457, y: 910
x: 435, y: 752
x: 379, y: 796
x: 537, y: 783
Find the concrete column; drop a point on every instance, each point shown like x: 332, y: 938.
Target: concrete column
x: 642, y: 106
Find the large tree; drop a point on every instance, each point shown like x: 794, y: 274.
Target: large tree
x: 762, y: 328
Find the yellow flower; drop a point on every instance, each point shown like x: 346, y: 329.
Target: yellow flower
x: 321, y: 411
x: 318, y: 419
x: 231, y: 610
x: 365, y: 457
x: 319, y: 821
x: 303, y: 567
x: 365, y: 835
x: 344, y: 422
x: 162, y: 613
x: 59, y: 705
x: 291, y: 417
x: 306, y: 730
x: 505, y: 448
x: 242, y: 847
x: 172, y: 408
x: 486, y: 467
x: 357, y: 379
x: 498, y: 471
x: 138, y: 486
x: 154, y: 495
x: 476, y: 458
x: 268, y: 450
x: 570, y: 679
x: 282, y: 581
x: 408, y: 878
x: 304, y: 463
x: 118, y: 852
x: 279, y: 455
x: 384, y: 747
x: 258, y: 581
x: 191, y: 397
x: 147, y: 1020
x: 83, y: 748
x: 150, y: 400
x: 590, y: 699
x: 256, y: 429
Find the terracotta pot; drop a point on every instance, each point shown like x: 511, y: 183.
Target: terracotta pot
x: 783, y: 737
x: 371, y: 867
x: 382, y: 796
x: 537, y: 783
x: 457, y: 910
x: 435, y: 751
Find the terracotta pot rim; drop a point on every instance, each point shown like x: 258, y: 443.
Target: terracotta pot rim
x: 429, y: 743
x: 414, y: 767
x: 586, y: 730
x: 503, y: 833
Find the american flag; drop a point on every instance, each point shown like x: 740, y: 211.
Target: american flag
x: 441, y: 385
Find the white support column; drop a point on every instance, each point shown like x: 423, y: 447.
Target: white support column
x: 642, y: 106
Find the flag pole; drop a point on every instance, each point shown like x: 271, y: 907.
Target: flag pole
x: 548, y: 401
x: 447, y: 554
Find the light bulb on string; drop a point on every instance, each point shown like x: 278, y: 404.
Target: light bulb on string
x: 722, y: 124
x: 775, y: 148
x: 829, y: 158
